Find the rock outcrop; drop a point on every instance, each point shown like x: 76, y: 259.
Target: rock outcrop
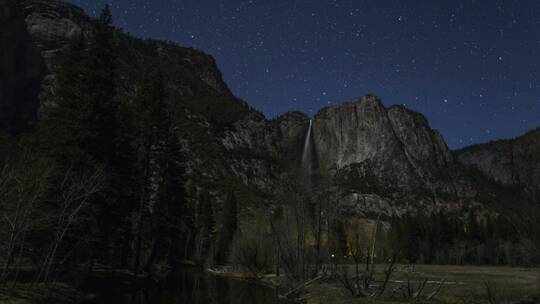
x: 52, y: 24
x: 391, y: 153
x: 397, y: 141
x: 22, y: 70
x: 512, y: 163
x: 33, y: 37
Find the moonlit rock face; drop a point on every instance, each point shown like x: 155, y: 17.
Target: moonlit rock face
x: 353, y: 132
x: 514, y: 163
x: 398, y: 143
x: 37, y: 31
x: 423, y: 147
x: 362, y: 129
x: 390, y: 151
x: 52, y: 24
x: 21, y: 71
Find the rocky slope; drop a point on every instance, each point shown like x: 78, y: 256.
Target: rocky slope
x: 383, y: 160
x: 34, y: 36
x: 397, y: 141
x: 511, y: 163
x: 389, y: 160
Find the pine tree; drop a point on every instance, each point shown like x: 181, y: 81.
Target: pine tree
x: 177, y: 222
x: 151, y: 131
x: 78, y: 124
x: 205, y: 226
x: 100, y: 91
x: 63, y: 128
x: 229, y: 224
x: 474, y: 232
x: 80, y: 118
x: 411, y: 239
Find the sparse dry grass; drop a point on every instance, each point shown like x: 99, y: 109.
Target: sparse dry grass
x: 466, y: 284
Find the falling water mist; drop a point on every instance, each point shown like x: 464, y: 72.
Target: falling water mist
x: 306, y: 154
x: 307, y: 164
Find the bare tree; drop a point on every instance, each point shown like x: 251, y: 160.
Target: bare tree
x: 23, y: 185
x: 251, y: 251
x: 75, y: 193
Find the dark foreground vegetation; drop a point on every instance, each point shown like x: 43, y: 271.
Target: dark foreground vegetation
x: 97, y: 187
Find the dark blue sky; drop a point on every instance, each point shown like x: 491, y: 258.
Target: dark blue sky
x: 472, y: 67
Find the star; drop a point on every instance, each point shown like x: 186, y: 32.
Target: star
x: 482, y: 60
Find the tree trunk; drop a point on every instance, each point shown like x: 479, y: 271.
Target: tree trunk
x: 140, y: 224
x: 152, y: 257
x: 319, y: 232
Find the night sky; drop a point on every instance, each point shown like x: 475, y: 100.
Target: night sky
x: 472, y: 67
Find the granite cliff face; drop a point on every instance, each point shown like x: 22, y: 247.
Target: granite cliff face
x: 34, y: 35
x: 52, y: 23
x: 383, y: 160
x: 388, y: 160
x: 393, y: 139
x: 512, y: 163
x: 21, y: 70
x: 33, y: 39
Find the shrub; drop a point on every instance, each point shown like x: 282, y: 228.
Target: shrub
x: 252, y: 252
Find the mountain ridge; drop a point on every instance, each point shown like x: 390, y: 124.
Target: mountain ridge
x: 388, y: 157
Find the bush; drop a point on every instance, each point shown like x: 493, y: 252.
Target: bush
x: 252, y: 252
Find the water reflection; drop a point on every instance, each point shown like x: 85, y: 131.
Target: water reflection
x: 191, y: 287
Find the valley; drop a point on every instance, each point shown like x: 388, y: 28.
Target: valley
x: 130, y: 162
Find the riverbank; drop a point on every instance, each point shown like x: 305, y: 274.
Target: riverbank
x: 268, y: 280
x: 462, y: 284
x: 42, y: 294
x: 320, y: 291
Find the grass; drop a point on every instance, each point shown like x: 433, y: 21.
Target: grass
x: 465, y: 284
x: 468, y: 283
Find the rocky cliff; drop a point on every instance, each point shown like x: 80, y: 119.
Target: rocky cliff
x: 212, y: 123
x: 34, y: 35
x: 383, y: 160
x: 511, y: 163
x: 21, y: 70
x: 397, y: 141
x: 389, y: 160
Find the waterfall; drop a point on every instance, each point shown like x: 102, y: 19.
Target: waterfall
x: 306, y: 155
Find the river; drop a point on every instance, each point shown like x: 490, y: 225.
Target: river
x: 191, y: 287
